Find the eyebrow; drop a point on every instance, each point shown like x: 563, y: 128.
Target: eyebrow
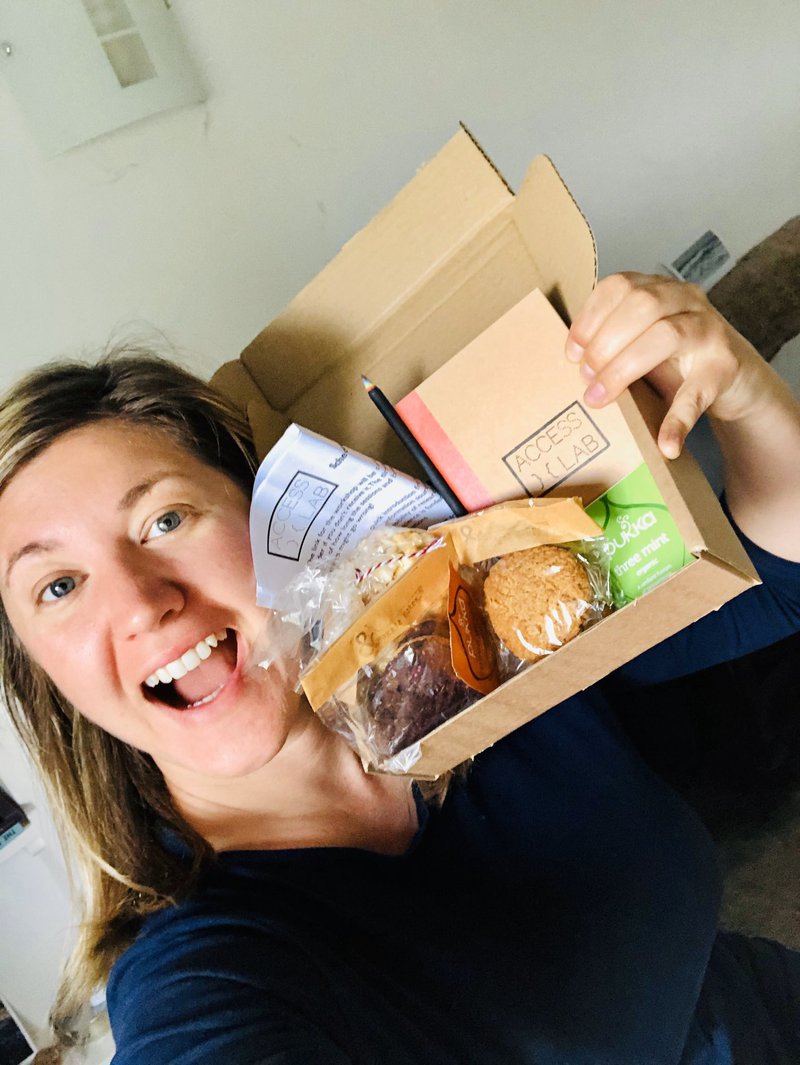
x: 35, y: 547
x: 133, y: 495
x: 130, y: 499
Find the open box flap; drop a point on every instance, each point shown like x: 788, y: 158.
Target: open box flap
x: 234, y: 381
x: 267, y: 425
x: 447, y: 257
x: 559, y: 237
x: 451, y: 197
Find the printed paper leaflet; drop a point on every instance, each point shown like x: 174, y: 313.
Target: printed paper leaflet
x: 313, y: 500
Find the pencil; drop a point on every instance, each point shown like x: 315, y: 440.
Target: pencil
x: 414, y: 447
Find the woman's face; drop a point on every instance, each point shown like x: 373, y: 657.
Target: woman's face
x: 125, y: 562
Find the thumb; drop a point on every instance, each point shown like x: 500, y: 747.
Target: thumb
x: 692, y: 400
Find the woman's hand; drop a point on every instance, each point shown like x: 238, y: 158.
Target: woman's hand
x: 641, y: 325
x: 637, y: 325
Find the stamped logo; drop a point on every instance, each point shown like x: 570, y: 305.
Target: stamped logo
x: 556, y: 450
x: 293, y: 515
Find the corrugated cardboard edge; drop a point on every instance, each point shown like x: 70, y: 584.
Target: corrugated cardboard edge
x: 688, y: 595
x: 486, y: 156
x: 549, y: 219
x: 576, y: 205
x: 687, y: 493
x: 237, y: 385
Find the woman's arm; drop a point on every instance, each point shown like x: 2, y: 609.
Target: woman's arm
x: 638, y: 325
x: 203, y: 988
x: 762, y: 616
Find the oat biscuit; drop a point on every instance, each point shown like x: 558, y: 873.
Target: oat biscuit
x: 536, y: 599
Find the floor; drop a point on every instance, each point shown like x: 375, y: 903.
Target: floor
x: 762, y: 896
x: 728, y: 739
x: 756, y: 819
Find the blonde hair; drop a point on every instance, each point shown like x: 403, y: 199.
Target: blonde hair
x: 132, y: 853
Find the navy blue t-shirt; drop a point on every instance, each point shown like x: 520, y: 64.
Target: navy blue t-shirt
x: 559, y: 909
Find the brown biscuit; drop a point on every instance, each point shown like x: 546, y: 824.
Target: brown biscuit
x: 536, y: 599
x: 416, y: 691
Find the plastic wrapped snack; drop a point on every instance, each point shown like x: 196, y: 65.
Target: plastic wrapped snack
x: 540, y: 572
x: 400, y: 697
x: 540, y: 598
x: 316, y: 607
x: 394, y: 639
x: 380, y: 671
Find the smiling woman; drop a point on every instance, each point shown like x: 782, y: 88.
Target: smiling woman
x: 128, y: 617
x: 251, y: 894
x: 123, y: 493
x: 118, y: 578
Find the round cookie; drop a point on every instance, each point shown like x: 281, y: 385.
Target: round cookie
x: 415, y: 691
x: 536, y: 599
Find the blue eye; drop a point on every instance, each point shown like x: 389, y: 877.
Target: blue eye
x: 167, y: 523
x: 58, y: 588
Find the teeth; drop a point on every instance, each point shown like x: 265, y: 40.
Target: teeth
x: 176, y: 669
x: 191, y: 660
x: 188, y: 661
x: 208, y: 698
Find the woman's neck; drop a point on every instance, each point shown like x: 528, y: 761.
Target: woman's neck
x: 313, y: 793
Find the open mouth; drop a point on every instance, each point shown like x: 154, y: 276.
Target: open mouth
x: 198, y: 676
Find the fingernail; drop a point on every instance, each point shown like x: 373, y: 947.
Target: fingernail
x: 573, y: 350
x: 587, y: 372
x: 595, y: 394
x: 670, y: 445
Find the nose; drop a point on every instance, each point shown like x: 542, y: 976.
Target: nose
x: 142, y: 597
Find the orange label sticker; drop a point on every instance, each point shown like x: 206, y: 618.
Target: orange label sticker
x: 471, y: 647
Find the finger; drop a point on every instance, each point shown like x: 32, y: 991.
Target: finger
x: 691, y: 401
x: 606, y: 297
x: 653, y: 347
x: 644, y: 305
x: 666, y: 379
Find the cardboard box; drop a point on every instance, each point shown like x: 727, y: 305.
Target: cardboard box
x: 452, y: 253
x: 531, y: 434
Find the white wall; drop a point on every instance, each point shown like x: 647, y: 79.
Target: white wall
x: 35, y: 911
x: 664, y: 119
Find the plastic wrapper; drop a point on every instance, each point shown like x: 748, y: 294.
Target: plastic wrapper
x: 539, y: 598
x: 393, y: 641
x: 539, y: 571
x: 380, y: 671
x: 403, y: 695
x: 316, y: 607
